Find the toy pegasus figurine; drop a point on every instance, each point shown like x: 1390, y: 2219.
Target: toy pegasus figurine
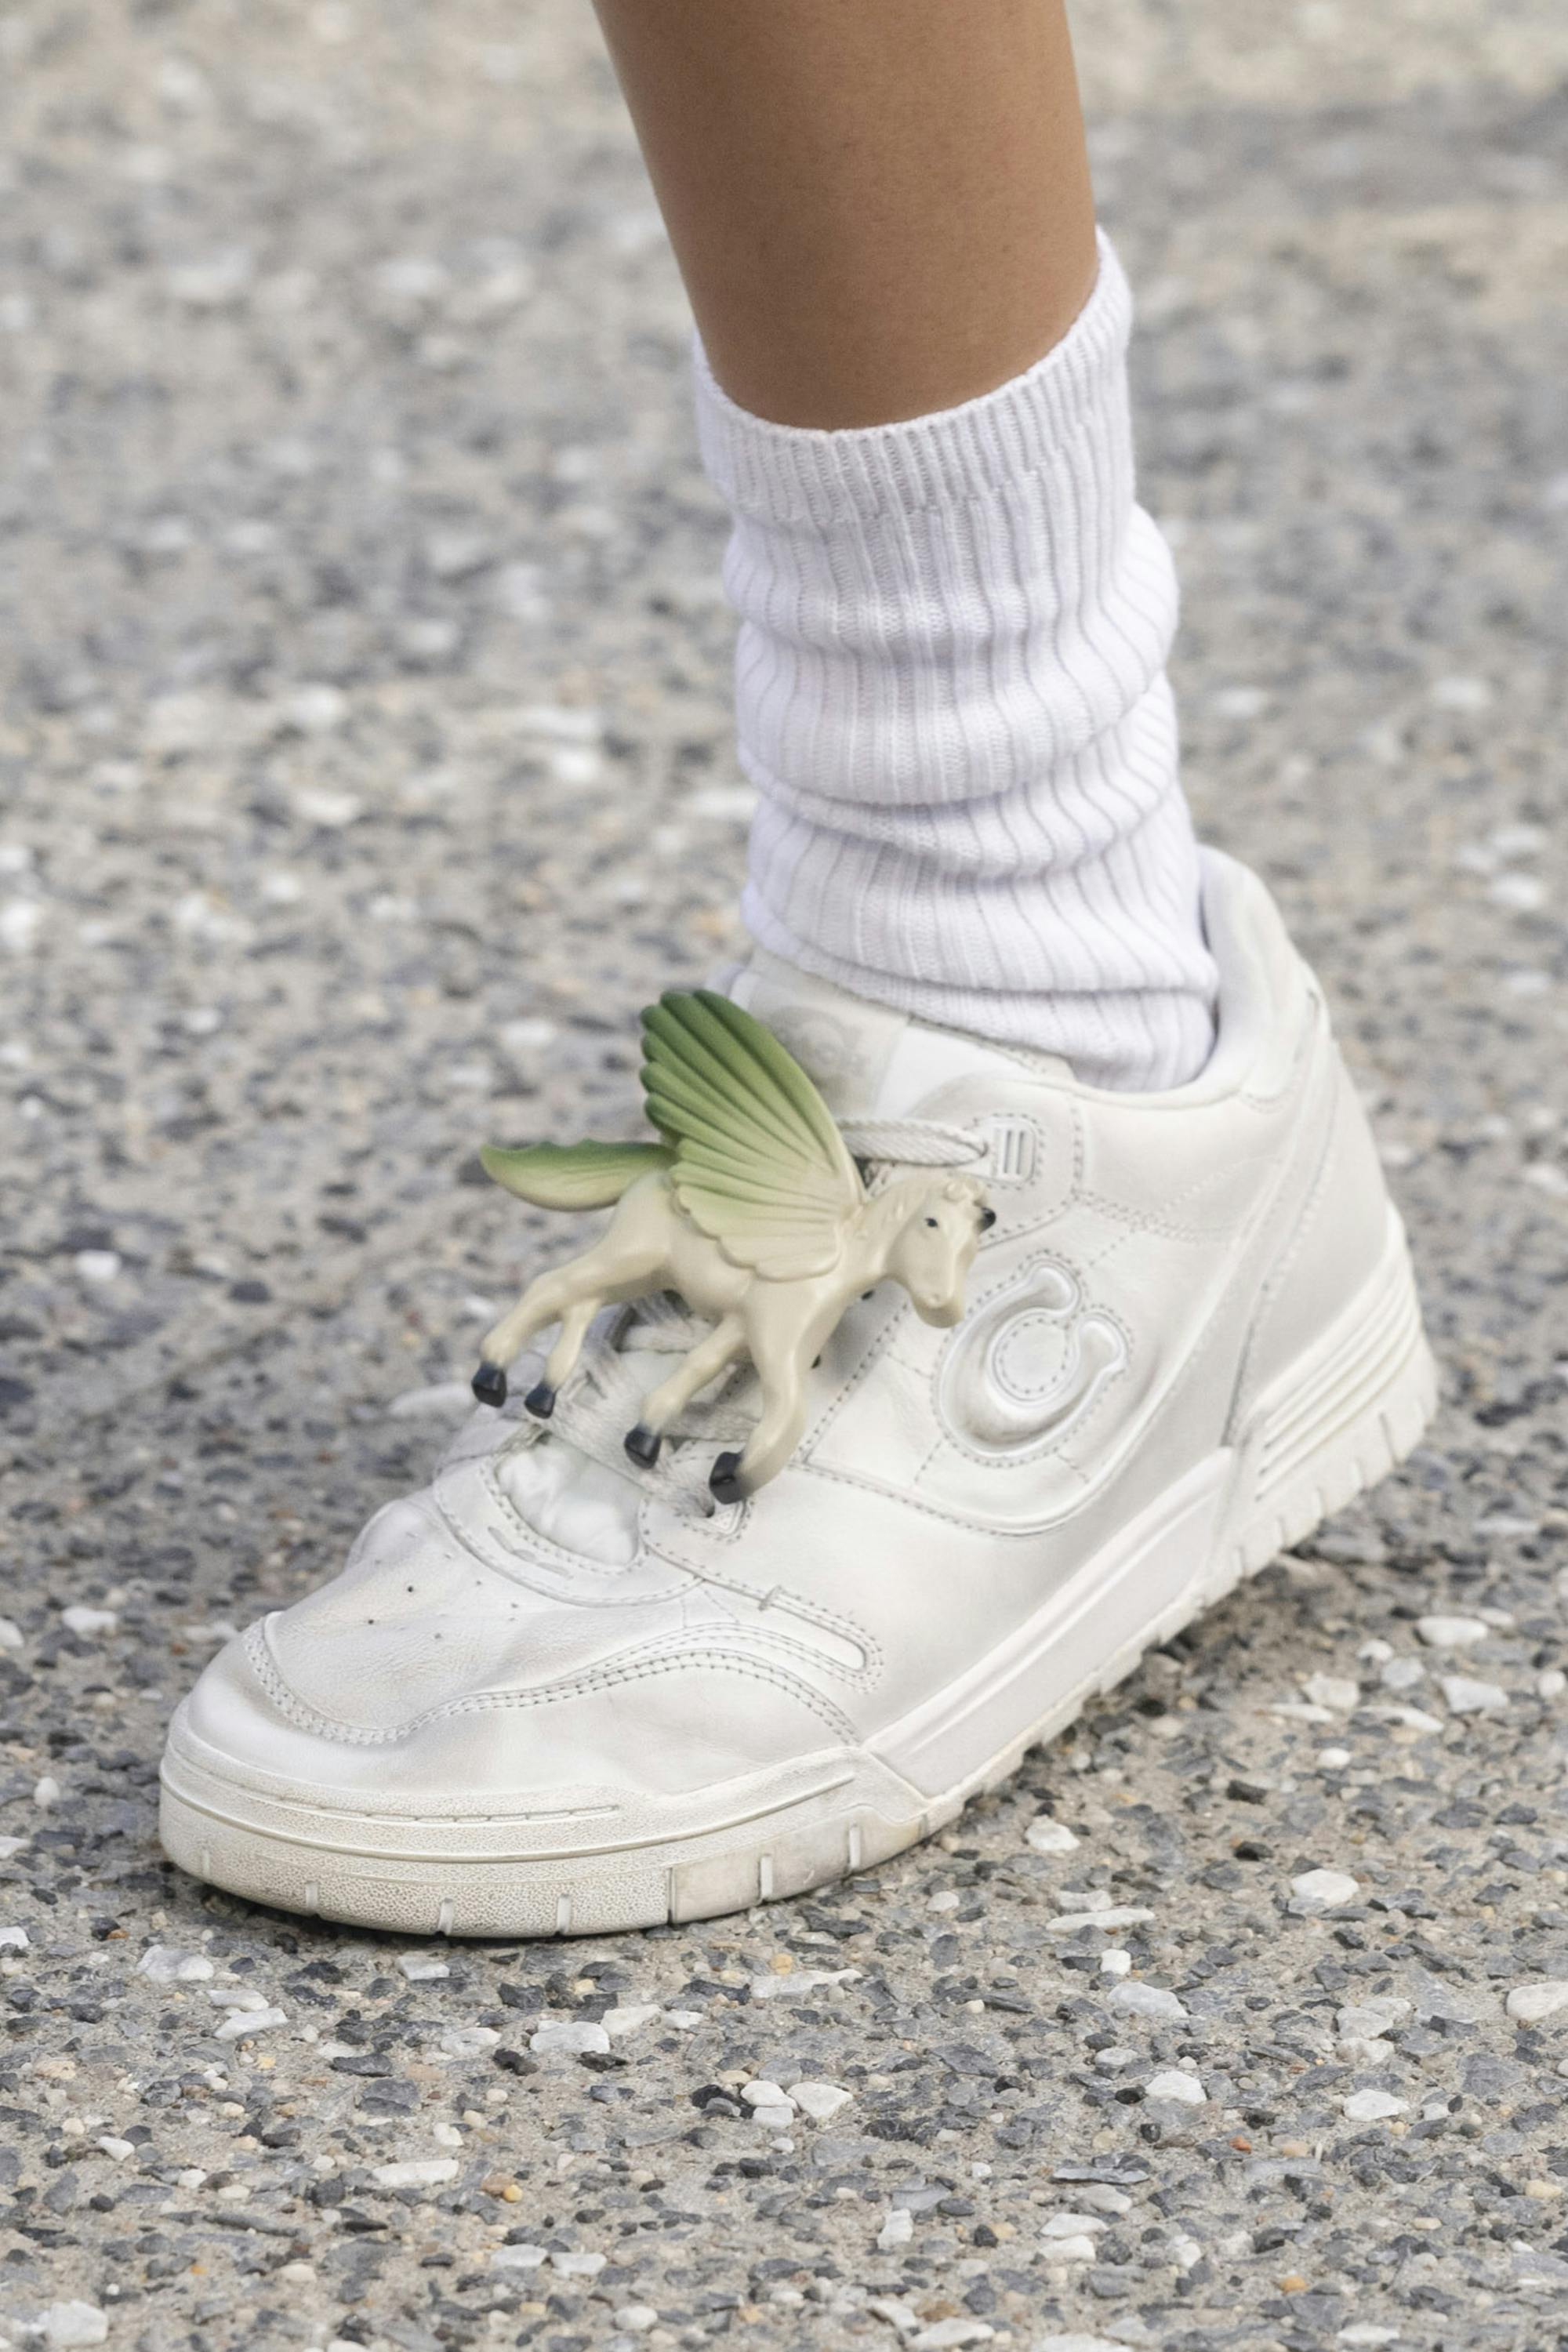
x: 751, y: 1208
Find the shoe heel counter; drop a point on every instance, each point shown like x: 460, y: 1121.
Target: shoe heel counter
x: 1335, y: 1247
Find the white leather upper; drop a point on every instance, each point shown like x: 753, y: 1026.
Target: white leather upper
x: 532, y: 1628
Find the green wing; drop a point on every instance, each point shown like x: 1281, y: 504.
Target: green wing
x: 760, y: 1165
x: 573, y: 1175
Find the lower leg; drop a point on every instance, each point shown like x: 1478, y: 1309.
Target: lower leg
x: 879, y: 209
x: 951, y: 689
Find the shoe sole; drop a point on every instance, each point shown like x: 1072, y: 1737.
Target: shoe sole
x: 1332, y: 1425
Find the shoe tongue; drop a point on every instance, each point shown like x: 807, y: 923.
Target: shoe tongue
x: 867, y: 1060
x: 845, y: 1045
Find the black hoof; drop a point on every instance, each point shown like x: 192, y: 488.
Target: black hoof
x: 541, y: 1400
x: 643, y: 1445
x: 723, y: 1482
x: 490, y: 1384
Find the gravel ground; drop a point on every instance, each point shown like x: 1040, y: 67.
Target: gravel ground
x: 364, y: 766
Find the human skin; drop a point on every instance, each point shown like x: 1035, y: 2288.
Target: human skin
x: 879, y: 207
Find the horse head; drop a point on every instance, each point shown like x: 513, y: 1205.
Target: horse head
x: 935, y: 1247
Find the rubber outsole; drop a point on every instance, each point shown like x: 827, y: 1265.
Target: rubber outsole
x: 1334, y: 1425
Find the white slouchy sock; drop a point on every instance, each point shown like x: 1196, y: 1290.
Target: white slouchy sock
x: 950, y: 696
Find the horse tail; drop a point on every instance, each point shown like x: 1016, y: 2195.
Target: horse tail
x: 573, y: 1175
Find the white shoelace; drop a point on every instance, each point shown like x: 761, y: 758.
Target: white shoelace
x: 601, y: 1400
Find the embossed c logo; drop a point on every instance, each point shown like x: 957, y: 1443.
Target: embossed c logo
x: 1027, y: 1365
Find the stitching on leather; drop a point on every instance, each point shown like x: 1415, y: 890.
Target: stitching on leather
x: 1149, y: 1221
x: 531, y: 1537
x: 295, y: 1711
x: 929, y: 1457
x: 863, y: 1370
x: 1156, y: 1221
x: 481, y: 1545
x: 849, y: 1629
x: 671, y: 1645
x: 898, y: 1321
x: 928, y: 1510
x: 1041, y: 1134
x: 1078, y: 1268
x: 1027, y: 1455
x: 1043, y: 1446
x: 1118, y: 1240
x: 643, y: 1669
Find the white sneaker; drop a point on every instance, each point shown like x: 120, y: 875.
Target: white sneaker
x: 552, y: 1695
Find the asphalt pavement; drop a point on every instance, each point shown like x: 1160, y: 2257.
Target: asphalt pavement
x: 364, y: 764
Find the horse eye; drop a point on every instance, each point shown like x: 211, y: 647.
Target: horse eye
x: 930, y: 1221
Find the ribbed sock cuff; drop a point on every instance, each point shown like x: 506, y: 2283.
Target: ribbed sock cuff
x: 783, y: 474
